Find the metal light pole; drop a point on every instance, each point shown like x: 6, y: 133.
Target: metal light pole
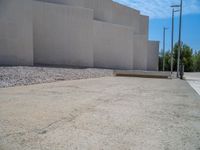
x: 164, y: 31
x: 172, y: 39
x: 179, y: 39
x: 179, y: 42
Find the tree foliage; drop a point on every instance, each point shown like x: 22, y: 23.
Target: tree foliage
x: 190, y: 60
x: 196, y: 61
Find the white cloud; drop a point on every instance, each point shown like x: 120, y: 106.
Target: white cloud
x: 161, y: 8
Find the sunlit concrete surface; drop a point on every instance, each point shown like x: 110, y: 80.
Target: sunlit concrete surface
x: 102, y: 8
x: 62, y: 35
x: 194, y: 80
x: 113, y: 113
x: 113, y: 46
x: 152, y: 55
x: 140, y: 47
x: 65, y: 33
x: 126, y: 16
x: 144, y: 25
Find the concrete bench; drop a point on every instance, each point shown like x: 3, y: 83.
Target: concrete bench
x: 144, y: 74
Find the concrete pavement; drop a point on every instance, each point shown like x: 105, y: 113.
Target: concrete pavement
x: 116, y: 113
x: 194, y: 80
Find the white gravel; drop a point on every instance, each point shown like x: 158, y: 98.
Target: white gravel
x: 17, y: 76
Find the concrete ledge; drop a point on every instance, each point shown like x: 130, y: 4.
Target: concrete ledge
x: 144, y: 74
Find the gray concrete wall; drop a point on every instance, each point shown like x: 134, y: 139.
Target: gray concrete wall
x: 153, y: 56
x: 139, y: 52
x: 102, y: 8
x: 140, y: 44
x: 113, y: 46
x: 68, y: 35
x: 62, y: 35
x: 16, y: 42
x: 126, y: 16
x: 144, y: 25
x: 130, y: 17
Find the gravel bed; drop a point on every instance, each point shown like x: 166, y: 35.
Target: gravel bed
x: 17, y: 76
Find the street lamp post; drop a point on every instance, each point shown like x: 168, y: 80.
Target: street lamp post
x: 172, y: 39
x: 179, y: 39
x: 164, y: 31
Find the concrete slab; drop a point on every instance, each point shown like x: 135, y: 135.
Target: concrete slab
x: 107, y: 113
x: 145, y: 74
x: 194, y: 80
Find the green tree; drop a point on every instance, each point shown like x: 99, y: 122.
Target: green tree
x: 196, y: 61
x: 168, y: 61
x: 175, y: 56
x: 190, y: 60
x: 186, y: 57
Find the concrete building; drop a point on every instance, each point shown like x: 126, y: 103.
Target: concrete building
x: 16, y: 33
x: 140, y: 52
x: 152, y: 55
x: 113, y: 46
x: 81, y: 33
x: 126, y: 16
x: 102, y: 8
x: 62, y: 35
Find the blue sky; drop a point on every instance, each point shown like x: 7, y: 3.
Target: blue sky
x: 159, y: 12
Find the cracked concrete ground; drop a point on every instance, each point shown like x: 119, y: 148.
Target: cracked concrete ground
x: 115, y: 113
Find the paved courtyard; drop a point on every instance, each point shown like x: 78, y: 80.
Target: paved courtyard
x: 107, y: 113
x: 194, y: 80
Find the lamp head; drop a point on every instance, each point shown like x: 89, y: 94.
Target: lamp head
x: 175, y: 6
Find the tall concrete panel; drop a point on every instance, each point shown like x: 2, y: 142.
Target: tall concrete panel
x: 16, y: 42
x: 126, y: 16
x: 62, y: 35
x: 153, y: 56
x: 102, y: 8
x: 144, y: 25
x: 113, y: 46
x: 140, y: 52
